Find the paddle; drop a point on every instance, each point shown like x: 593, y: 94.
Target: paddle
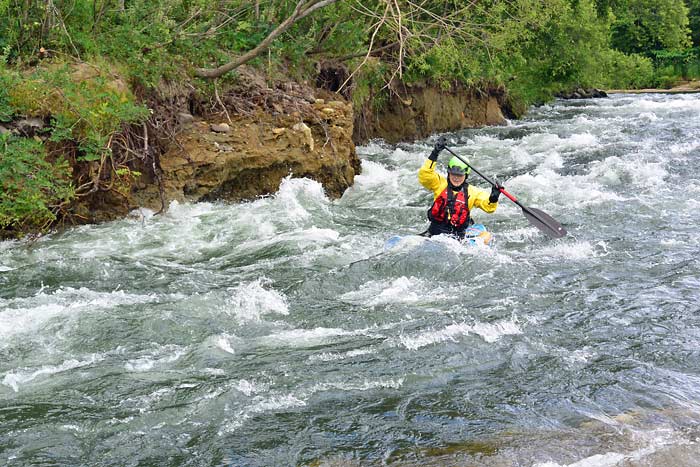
x: 536, y: 217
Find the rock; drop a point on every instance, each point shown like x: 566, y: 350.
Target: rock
x: 327, y: 111
x: 29, y: 126
x: 223, y: 147
x: 319, y: 101
x: 303, y: 128
x: 220, y: 128
x: 185, y: 118
x: 581, y: 93
x: 278, y: 131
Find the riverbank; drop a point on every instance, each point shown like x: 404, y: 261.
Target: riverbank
x: 686, y: 87
x: 233, y: 142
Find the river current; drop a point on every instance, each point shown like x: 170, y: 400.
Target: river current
x: 280, y: 332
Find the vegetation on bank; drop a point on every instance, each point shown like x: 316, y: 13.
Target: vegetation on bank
x: 91, y: 133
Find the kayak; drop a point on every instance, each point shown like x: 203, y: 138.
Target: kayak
x: 475, y: 235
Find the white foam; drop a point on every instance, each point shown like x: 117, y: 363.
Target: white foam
x: 569, y: 250
x: 543, y: 143
x: 304, y: 337
x: 15, y: 379
x: 579, y: 356
x: 161, y: 357
x: 313, y: 235
x: 282, y: 402
x: 251, y: 300
x: 294, y: 192
x: 641, y: 172
x: 401, y: 290
x: 23, y: 315
x: 552, y: 160
x: 141, y: 214
x: 144, y: 402
x: 276, y: 403
x: 683, y: 148
x: 75, y: 428
x: 401, y: 155
x: 456, y: 247
x: 663, y: 105
x: 335, y: 356
x: 647, y: 117
x: 261, y: 405
x: 224, y: 343
x: 581, y: 140
x: 652, y: 441
x: 610, y: 459
x: 490, y: 332
x: 374, y: 174
x: 365, y: 385
x: 251, y: 387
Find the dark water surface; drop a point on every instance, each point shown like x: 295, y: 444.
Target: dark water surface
x: 279, y: 332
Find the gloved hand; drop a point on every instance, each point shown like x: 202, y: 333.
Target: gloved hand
x: 439, y: 146
x: 495, y: 191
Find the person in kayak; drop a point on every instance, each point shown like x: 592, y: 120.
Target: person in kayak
x: 453, y: 197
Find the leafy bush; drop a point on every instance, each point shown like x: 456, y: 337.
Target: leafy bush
x: 85, y: 109
x: 32, y: 187
x: 84, y: 106
x: 632, y: 71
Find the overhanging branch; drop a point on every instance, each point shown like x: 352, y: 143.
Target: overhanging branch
x: 302, y: 10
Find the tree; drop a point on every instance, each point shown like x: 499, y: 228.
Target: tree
x: 694, y: 20
x: 642, y: 26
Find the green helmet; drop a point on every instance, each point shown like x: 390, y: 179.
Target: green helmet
x: 457, y: 167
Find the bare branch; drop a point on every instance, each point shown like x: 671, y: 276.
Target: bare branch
x: 302, y: 10
x: 369, y: 50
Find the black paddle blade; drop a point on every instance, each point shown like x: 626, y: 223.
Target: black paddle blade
x: 544, y: 222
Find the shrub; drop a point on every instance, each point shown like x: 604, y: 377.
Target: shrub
x: 32, y: 187
x: 625, y: 71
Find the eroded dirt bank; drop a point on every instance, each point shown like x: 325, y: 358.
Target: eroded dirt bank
x: 249, y: 155
x: 419, y: 111
x: 269, y: 133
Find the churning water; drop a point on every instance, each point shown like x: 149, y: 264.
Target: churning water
x: 279, y: 332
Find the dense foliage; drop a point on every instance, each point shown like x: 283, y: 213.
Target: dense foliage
x: 531, y: 49
x: 32, y: 187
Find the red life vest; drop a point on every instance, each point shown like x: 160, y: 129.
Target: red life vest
x: 451, y: 210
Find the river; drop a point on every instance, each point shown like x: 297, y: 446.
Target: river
x: 280, y: 332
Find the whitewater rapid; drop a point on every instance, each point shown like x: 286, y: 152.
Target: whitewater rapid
x: 280, y: 331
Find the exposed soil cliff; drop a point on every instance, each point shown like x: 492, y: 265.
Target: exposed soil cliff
x: 250, y: 156
x: 419, y: 111
x: 262, y: 134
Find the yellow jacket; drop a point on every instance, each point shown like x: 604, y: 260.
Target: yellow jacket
x: 430, y: 179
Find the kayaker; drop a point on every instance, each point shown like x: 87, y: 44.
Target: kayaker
x: 453, y: 197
